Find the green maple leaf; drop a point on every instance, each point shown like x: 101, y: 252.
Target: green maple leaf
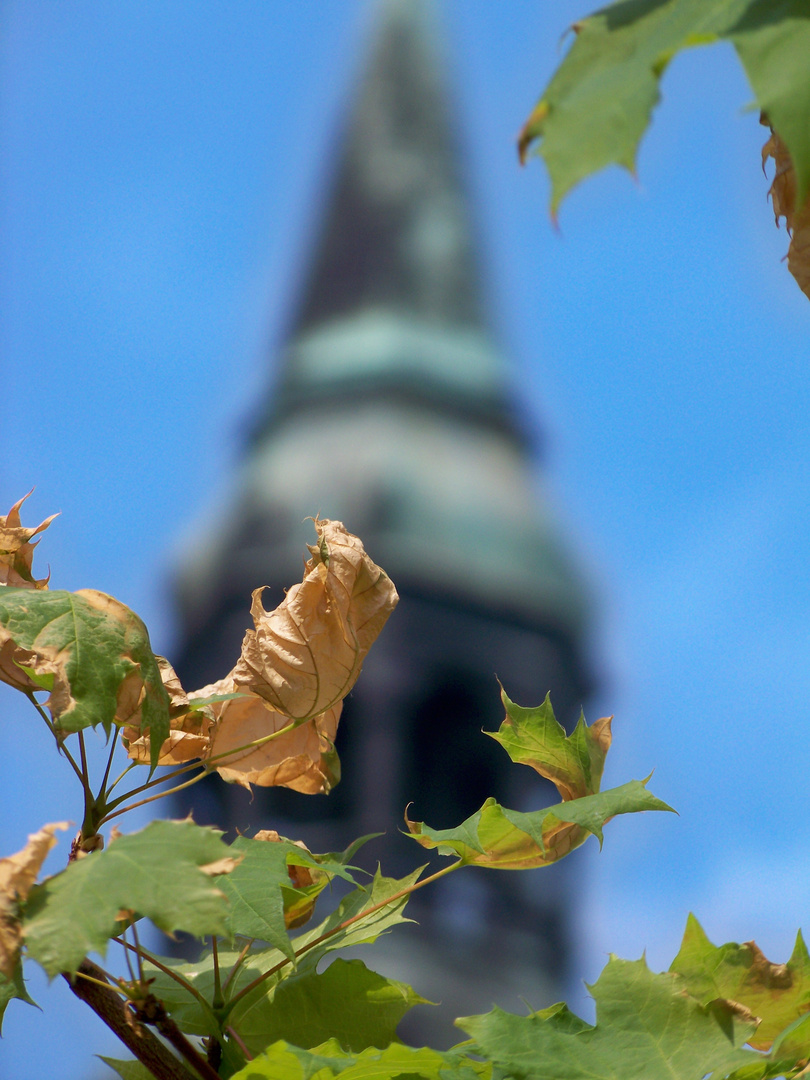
x: 534, y: 737
x: 776, y: 993
x: 598, y: 104
x: 383, y: 913
x: 159, y: 873
x: 13, y: 988
x: 284, y: 1062
x: 504, y: 839
x: 347, y: 1002
x: 261, y: 893
x: 647, y: 1029
x: 310, y: 948
x: 93, y: 654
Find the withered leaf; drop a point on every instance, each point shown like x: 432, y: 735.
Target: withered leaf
x: 297, y: 664
x: 18, y: 874
x: 305, y: 656
x: 784, y: 202
x: 189, y: 734
x: 303, y: 758
x: 17, y: 551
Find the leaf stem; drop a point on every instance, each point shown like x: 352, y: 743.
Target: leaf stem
x: 113, y: 985
x: 118, y: 779
x: 159, y: 795
x: 217, y: 1001
x: 237, y: 964
x: 83, y: 754
x: 153, y: 960
x: 61, y: 747
x: 101, y: 791
x: 203, y: 763
x: 344, y: 926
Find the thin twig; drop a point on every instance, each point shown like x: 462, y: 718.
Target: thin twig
x: 152, y: 798
x: 169, y: 1030
x: 235, y: 1036
x: 82, y: 751
x: 198, y: 762
x: 217, y: 1001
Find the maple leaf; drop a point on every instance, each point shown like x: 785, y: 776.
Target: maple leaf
x: 598, y: 104
x: 90, y: 651
x: 305, y: 656
x: 303, y: 759
x: 535, y: 737
x: 785, y: 204
x: 189, y: 729
x: 166, y: 873
x: 504, y: 839
x: 17, y: 876
x: 647, y: 1029
x: 285, y: 1062
x: 296, y: 666
x: 776, y: 993
x: 17, y: 551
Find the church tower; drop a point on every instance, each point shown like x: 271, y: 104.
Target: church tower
x: 393, y: 412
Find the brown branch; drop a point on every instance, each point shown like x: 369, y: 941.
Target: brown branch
x: 118, y: 1016
x: 169, y: 1030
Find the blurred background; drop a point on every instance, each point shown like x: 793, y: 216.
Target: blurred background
x: 167, y: 178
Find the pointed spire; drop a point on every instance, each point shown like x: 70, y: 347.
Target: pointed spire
x: 397, y: 233
x: 393, y: 302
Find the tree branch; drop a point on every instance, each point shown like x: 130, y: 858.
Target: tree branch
x: 117, y: 1015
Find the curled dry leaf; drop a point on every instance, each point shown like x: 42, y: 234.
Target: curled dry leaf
x: 297, y: 664
x: 18, y: 874
x: 303, y: 758
x: 305, y: 656
x: 17, y: 551
x: 783, y: 199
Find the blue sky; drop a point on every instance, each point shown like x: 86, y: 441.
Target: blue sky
x: 162, y: 165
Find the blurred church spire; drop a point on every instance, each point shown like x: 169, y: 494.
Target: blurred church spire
x: 393, y: 411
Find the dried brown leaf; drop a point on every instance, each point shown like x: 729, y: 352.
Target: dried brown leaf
x: 221, y: 866
x: 297, y: 665
x: 305, y: 656
x: 17, y: 551
x: 189, y: 737
x: 11, y: 659
x: 783, y: 200
x: 17, y: 875
x: 303, y: 759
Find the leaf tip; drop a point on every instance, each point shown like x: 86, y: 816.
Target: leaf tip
x: 531, y: 130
